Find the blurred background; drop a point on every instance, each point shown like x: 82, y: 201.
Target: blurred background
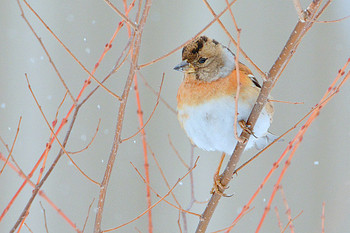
x: 319, y: 170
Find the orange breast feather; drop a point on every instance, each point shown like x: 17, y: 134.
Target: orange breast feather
x: 193, y: 92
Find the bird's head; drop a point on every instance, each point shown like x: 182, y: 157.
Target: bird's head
x: 206, y: 58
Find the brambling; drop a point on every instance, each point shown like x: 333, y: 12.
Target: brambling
x: 206, y: 98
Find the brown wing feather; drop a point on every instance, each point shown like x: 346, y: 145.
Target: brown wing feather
x: 254, y: 80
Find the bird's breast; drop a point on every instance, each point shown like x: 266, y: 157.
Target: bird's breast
x: 193, y: 92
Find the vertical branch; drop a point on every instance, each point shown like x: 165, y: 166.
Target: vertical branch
x: 144, y: 146
x: 121, y: 113
x: 143, y: 134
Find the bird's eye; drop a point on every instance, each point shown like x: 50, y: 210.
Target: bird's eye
x: 202, y: 60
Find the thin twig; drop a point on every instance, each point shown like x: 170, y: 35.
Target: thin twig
x: 333, y: 21
x: 291, y: 221
x: 44, y: 212
x: 284, y: 102
x: 278, y: 218
x: 232, y: 224
x: 13, y: 145
x: 133, y: 25
x: 150, y: 117
x: 193, y: 199
x: 155, y: 204
x: 91, y: 141
x: 25, y: 224
x: 238, y: 89
x: 288, y: 210
x: 156, y: 93
x: 138, y: 230
x: 88, y: 214
x: 177, y: 153
x: 163, y: 176
x: 178, y: 221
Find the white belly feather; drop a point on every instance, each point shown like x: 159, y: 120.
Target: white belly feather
x: 210, y: 125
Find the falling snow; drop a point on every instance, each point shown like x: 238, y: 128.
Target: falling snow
x: 83, y: 137
x: 3, y: 105
x: 70, y: 18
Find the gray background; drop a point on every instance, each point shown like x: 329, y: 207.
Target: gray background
x: 319, y: 171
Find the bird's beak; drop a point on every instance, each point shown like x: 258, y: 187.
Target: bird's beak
x: 184, y: 66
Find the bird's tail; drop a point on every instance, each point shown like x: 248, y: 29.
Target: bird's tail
x: 265, y: 140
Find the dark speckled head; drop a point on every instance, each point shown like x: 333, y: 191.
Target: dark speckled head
x: 200, y: 47
x: 206, y: 59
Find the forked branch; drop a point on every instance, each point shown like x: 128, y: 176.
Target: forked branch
x: 121, y: 113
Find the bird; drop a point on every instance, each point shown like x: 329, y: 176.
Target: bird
x: 206, y: 98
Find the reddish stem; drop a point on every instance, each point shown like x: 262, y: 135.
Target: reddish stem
x: 145, y: 156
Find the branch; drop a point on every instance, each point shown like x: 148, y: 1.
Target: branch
x: 276, y: 70
x: 133, y: 25
x: 121, y: 113
x: 13, y: 145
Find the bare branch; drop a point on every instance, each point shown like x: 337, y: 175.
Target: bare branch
x: 13, y: 145
x: 133, y: 25
x: 121, y: 113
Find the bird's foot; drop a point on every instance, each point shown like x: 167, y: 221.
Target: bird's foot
x: 246, y: 128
